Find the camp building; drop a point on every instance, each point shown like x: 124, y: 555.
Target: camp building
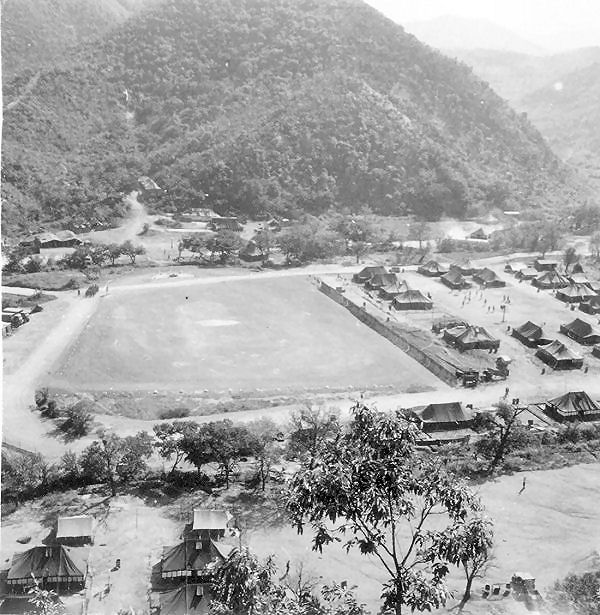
x: 581, y: 331
x: 559, y: 356
x: 464, y: 267
x: 488, y: 278
x: 251, y: 252
x: 192, y: 559
x: 440, y: 417
x: 470, y: 337
x: 574, y: 293
x: 572, y: 406
x: 530, y: 334
x: 454, y: 279
x: 366, y: 273
x: 550, y: 279
x: 432, y: 269
x: 545, y: 264
x: 225, y: 224
x: 379, y: 280
x: 591, y: 305
x: 75, y: 531
x: 411, y: 299
x: 54, y: 567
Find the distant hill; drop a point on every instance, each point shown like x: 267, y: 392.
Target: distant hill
x: 279, y: 106
x: 37, y: 33
x: 449, y: 32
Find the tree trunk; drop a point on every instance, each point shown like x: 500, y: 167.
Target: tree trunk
x: 467, y: 594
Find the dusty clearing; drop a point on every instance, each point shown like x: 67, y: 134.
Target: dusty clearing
x: 267, y: 335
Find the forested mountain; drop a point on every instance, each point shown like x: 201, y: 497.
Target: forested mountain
x: 37, y: 33
x: 269, y: 105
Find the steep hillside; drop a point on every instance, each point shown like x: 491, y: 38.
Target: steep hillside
x: 280, y: 105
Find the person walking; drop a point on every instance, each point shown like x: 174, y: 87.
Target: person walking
x: 523, y: 485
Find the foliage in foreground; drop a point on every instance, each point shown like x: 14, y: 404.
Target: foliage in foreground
x: 576, y: 594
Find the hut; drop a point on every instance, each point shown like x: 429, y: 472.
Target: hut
x: 574, y: 293
x: 572, y: 406
x: 464, y: 267
x: 530, y: 334
x: 432, y: 269
x: 440, y: 417
x: 488, y: 279
x: 596, y: 351
x: 591, y: 305
x: 75, y: 531
x: 455, y: 280
x: 192, y: 599
x: 581, y: 331
x: 479, y: 234
x: 545, y: 264
x: 251, y: 253
x: 368, y: 272
x: 54, y: 567
x: 529, y: 273
x: 470, y: 338
x: 559, y: 356
x: 550, y: 279
x: 379, y: 280
x: 225, y: 224
x: 411, y: 299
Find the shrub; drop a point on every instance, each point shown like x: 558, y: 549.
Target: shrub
x: 92, y: 290
x: 175, y: 413
x: 78, y: 421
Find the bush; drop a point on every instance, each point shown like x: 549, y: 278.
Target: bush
x: 78, y: 421
x: 92, y: 290
x: 175, y: 413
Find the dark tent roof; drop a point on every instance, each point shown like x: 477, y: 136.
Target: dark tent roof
x: 574, y: 402
x: 559, y: 351
x: 412, y: 296
x: 470, y: 334
x: 185, y: 600
x: 576, y: 291
x: 530, y: 330
x: 486, y: 275
x: 579, y: 327
x: 551, y: 279
x: 478, y: 234
x: 447, y: 412
x: 250, y: 249
x: 185, y: 556
x: 367, y: 272
x: 379, y: 280
x: 455, y: 277
x: 433, y: 267
x: 53, y: 561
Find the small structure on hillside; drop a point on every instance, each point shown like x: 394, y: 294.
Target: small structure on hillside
x: 225, y: 224
x: 48, y: 241
x: 464, y: 267
x: 514, y: 268
x: 470, y: 338
x: 444, y: 416
x: 432, y: 269
x: 545, y: 264
x: 199, y: 214
x: 550, y: 279
x: 379, y: 280
x: 578, y: 278
x: 75, y: 531
x: 479, y: 234
x: 148, y: 186
x: 411, y: 299
x: 559, y: 356
x: 530, y: 334
x: 572, y: 406
x: 574, y: 293
x: 455, y: 280
x: 581, y: 331
x: 366, y: 273
x: 54, y: 567
x: 488, y: 278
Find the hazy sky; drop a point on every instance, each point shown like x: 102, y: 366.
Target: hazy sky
x: 548, y: 23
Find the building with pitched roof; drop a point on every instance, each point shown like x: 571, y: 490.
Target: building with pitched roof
x: 488, y: 278
x: 550, y: 279
x: 572, y: 406
x: 432, y: 269
x: 454, y: 279
x: 470, y: 337
x: 559, y: 356
x: 530, y: 334
x: 366, y: 273
x: 444, y: 416
x: 411, y: 299
x: 574, y: 293
x: 581, y: 331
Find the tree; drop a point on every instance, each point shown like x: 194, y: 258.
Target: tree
x: 265, y: 242
x: 78, y: 420
x: 132, y: 251
x: 45, y: 601
x: 550, y: 235
x: 114, y: 250
x: 468, y: 546
x: 24, y: 475
x: 595, y: 245
x: 265, y: 442
x: 370, y: 487
x: 309, y: 429
x: 227, y: 444
x: 170, y: 439
x: 224, y: 244
x: 419, y: 230
x: 578, y: 594
x: 112, y: 458
x: 570, y: 257
x: 506, y: 433
x: 358, y: 232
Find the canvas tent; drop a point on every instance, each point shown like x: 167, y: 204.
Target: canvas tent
x: 573, y: 406
x: 530, y: 334
x: 470, y: 338
x: 432, y: 269
x: 367, y: 272
x: 192, y: 558
x: 465, y: 267
x: 559, y: 356
x: 579, y: 278
x: 479, y: 234
x: 488, y: 278
x: 379, y: 280
x: 75, y: 530
x: 186, y: 600
x: 441, y: 417
x: 55, y: 567
x: 545, y: 264
x: 209, y: 524
x: 411, y: 299
x: 574, y: 293
x: 591, y: 305
x: 389, y: 291
x: 581, y: 331
x: 514, y: 267
x: 529, y: 273
x: 550, y: 279
x: 454, y: 279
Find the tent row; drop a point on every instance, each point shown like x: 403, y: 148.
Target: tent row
x: 454, y: 275
x: 390, y: 288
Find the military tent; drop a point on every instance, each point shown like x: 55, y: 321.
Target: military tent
x: 379, y: 280
x: 578, y: 278
x: 488, y: 278
x: 441, y: 417
x: 529, y: 273
x: 530, y: 334
x: 545, y: 264
x: 465, y: 267
x: 550, y: 279
x: 367, y: 272
x: 432, y: 269
x: 191, y: 558
x: 411, y: 299
x: 572, y: 406
x: 186, y: 600
x: 574, y: 293
x: 470, y: 338
x: 479, y: 234
x: 389, y: 291
x: 558, y: 356
x: 455, y: 280
x: 55, y: 567
x: 581, y: 331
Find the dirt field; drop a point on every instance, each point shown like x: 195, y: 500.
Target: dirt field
x: 270, y: 334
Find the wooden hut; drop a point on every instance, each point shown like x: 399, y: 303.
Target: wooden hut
x: 443, y: 416
x: 545, y: 264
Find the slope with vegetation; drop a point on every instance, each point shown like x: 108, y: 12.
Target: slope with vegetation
x: 283, y: 107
